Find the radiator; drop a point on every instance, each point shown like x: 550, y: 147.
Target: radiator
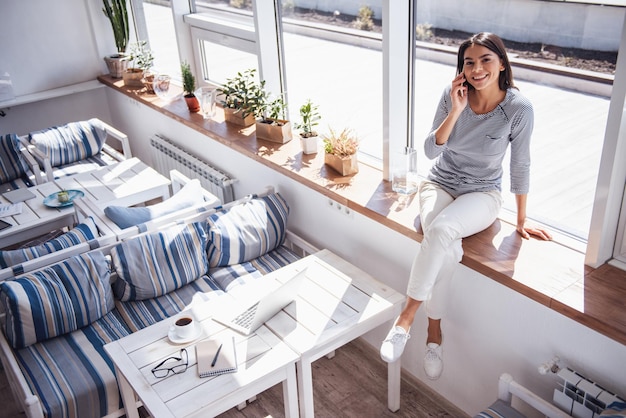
x: 579, y: 396
x: 167, y: 156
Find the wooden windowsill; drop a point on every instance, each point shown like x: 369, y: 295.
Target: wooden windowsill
x: 547, y: 272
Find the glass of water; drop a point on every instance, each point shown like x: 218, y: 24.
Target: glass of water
x: 206, y: 96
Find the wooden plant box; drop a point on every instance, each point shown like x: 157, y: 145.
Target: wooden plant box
x: 343, y: 165
x: 275, y: 133
x: 232, y: 117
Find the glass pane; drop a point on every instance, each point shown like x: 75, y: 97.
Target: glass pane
x: 162, y: 38
x: 222, y: 62
x: 565, y: 148
x: 336, y: 72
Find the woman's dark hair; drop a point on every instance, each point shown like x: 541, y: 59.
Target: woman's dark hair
x: 494, y: 44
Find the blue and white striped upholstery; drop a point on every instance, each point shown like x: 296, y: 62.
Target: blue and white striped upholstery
x: 138, y: 314
x: 69, y: 143
x: 83, y: 232
x: 155, y: 264
x: 56, y: 300
x: 72, y: 375
x: 246, y: 231
x: 12, y: 164
x: 227, y: 278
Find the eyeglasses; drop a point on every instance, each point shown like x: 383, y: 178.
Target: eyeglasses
x: 159, y: 371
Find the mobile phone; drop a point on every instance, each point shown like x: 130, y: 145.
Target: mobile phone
x: 4, y: 225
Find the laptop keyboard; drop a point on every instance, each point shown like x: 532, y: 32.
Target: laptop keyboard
x: 245, y: 318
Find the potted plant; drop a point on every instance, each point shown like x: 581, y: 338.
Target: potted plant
x: 340, y: 151
x: 310, y: 117
x: 242, y: 98
x: 273, y: 125
x: 140, y: 61
x: 189, y: 86
x: 115, y: 11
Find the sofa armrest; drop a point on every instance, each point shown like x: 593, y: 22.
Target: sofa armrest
x: 31, y: 161
x: 27, y: 401
x: 122, y: 139
x: 299, y: 245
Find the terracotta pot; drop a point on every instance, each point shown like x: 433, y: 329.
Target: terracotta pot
x: 343, y: 165
x: 192, y: 103
x: 280, y: 133
x: 116, y: 65
x: 133, y: 77
x: 232, y: 117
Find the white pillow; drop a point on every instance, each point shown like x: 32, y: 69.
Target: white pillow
x: 190, y: 195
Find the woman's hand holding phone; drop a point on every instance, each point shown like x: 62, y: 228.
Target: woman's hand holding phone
x: 459, y: 91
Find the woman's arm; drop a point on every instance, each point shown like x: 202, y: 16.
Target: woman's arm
x: 458, y: 97
x: 527, y: 230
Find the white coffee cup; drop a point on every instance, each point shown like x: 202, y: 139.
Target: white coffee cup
x: 185, y: 326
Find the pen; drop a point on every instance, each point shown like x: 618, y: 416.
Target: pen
x: 217, y: 354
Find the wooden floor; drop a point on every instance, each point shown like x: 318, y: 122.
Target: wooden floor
x: 352, y: 384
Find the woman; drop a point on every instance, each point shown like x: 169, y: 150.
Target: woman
x: 479, y: 115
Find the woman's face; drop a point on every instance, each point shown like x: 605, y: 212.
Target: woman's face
x: 481, y: 67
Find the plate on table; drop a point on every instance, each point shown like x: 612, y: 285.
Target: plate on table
x: 52, y: 201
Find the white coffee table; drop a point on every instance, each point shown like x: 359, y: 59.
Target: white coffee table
x: 264, y: 361
x: 337, y: 303
x: 126, y: 183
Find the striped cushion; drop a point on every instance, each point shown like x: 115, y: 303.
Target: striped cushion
x: 154, y: 264
x: 72, y: 375
x: 227, y: 278
x: 247, y: 231
x: 12, y: 164
x: 74, y: 141
x: 83, y: 232
x: 56, y: 300
x: 138, y: 314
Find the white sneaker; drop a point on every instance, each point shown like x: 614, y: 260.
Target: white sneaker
x: 433, y: 361
x: 393, y: 346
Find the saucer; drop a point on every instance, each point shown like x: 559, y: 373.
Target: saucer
x: 52, y: 201
x: 178, y: 340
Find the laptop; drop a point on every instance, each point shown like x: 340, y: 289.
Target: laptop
x: 247, y: 318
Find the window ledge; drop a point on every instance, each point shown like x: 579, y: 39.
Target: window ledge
x: 547, y: 272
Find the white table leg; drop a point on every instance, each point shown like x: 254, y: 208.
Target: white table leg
x: 128, y: 395
x: 305, y: 388
x: 394, y: 371
x: 290, y: 393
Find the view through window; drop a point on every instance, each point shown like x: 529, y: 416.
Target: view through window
x: 335, y: 62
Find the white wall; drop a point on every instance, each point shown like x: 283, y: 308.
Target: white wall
x: 489, y: 330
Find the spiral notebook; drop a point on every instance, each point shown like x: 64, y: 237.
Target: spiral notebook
x: 216, y: 357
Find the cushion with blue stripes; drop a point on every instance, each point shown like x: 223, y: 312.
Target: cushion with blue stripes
x: 246, y: 231
x: 56, y: 300
x: 12, y: 164
x: 157, y: 263
x: 83, y: 232
x: 72, y: 142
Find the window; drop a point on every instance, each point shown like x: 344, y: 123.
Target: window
x: 321, y: 62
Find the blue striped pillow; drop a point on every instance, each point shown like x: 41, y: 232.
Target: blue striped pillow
x: 72, y: 142
x: 247, y: 231
x: 12, y: 164
x: 56, y: 300
x: 83, y: 232
x: 155, y: 264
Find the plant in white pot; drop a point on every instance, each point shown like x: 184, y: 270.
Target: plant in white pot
x: 242, y: 98
x: 116, y: 12
x: 340, y: 149
x: 140, y: 61
x: 272, y: 123
x: 310, y: 117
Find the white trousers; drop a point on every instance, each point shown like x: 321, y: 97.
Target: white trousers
x: 445, y: 222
